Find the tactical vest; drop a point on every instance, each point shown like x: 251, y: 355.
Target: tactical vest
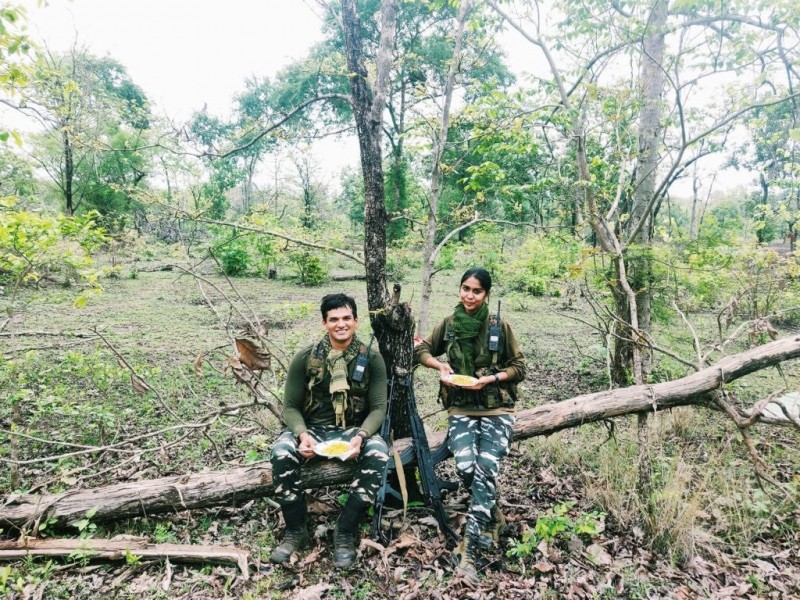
x: 494, y: 395
x: 357, y: 409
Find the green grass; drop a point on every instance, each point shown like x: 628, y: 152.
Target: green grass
x: 73, y: 390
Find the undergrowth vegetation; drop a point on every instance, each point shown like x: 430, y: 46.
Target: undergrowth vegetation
x: 117, y: 391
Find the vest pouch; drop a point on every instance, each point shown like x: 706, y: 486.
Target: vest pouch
x: 491, y: 396
x: 358, y: 405
x: 453, y: 396
x: 508, y: 394
x: 497, y: 395
x: 359, y: 390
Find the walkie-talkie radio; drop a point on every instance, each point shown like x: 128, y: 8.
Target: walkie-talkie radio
x: 361, y: 362
x: 495, y: 330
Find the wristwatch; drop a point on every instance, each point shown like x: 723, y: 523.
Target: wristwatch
x: 363, y: 437
x: 496, y: 378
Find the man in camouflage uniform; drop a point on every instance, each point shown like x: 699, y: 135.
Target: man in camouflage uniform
x: 335, y: 390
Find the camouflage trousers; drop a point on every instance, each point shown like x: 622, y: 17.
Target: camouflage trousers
x: 287, y: 463
x: 478, y: 444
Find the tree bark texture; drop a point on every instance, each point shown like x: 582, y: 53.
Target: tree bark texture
x: 637, y: 307
x: 117, y: 550
x: 368, y: 125
x: 391, y: 320
x: 639, y: 265
x: 429, y: 252
x: 198, y: 490
x: 69, y: 174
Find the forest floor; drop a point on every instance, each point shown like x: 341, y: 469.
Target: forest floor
x: 715, y: 532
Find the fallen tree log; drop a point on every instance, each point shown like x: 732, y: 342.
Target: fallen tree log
x: 232, y: 486
x: 116, y: 549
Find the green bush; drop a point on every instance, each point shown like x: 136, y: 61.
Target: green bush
x: 539, y: 264
x: 234, y: 259
x: 557, y: 525
x: 36, y: 247
x: 699, y: 277
x: 241, y: 255
x: 310, y: 268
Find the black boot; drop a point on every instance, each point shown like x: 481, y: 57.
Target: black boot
x: 344, y: 536
x: 295, y: 538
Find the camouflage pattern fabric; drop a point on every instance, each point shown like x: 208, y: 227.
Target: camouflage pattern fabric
x: 478, y: 444
x: 287, y: 463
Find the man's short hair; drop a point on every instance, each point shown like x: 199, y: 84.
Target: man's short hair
x: 334, y: 301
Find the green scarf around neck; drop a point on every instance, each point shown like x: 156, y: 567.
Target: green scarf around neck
x: 466, y: 328
x: 337, y: 361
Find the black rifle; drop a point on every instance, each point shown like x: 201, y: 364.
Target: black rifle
x: 385, y: 488
x: 431, y: 485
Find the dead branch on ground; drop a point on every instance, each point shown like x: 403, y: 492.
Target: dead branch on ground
x: 116, y: 549
x: 232, y: 486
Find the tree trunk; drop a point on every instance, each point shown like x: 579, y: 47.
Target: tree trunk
x: 428, y: 254
x: 391, y: 320
x: 398, y: 178
x: 639, y: 266
x: 199, y: 490
x: 637, y: 307
x: 693, y: 224
x: 69, y: 175
x: 368, y: 125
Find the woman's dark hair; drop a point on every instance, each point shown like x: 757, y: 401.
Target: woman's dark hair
x: 334, y: 301
x: 481, y: 275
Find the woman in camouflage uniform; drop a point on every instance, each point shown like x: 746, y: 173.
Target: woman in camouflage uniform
x: 481, y: 416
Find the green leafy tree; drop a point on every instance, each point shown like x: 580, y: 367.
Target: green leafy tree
x: 425, y: 50
x: 94, y: 120
x: 14, y: 66
x: 773, y: 152
x: 16, y: 175
x: 678, y: 48
x: 416, y: 81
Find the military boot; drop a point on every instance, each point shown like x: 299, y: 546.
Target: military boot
x: 466, y: 557
x: 344, y: 536
x: 295, y: 538
x: 490, y: 534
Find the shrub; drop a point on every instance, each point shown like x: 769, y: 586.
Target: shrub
x: 557, y: 525
x: 234, y: 259
x: 241, y: 255
x: 541, y: 262
x: 36, y: 247
x: 310, y: 268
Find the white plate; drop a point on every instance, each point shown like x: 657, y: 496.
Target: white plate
x: 467, y: 380
x: 323, y: 449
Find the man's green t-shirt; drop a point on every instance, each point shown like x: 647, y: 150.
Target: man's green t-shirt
x: 322, y: 413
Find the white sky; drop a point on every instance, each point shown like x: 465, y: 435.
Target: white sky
x: 189, y: 53
x: 183, y: 53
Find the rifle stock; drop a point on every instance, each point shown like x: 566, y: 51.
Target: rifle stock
x: 431, y: 485
x: 380, y: 499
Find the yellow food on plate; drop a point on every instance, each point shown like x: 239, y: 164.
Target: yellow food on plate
x: 336, y: 448
x: 465, y: 380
